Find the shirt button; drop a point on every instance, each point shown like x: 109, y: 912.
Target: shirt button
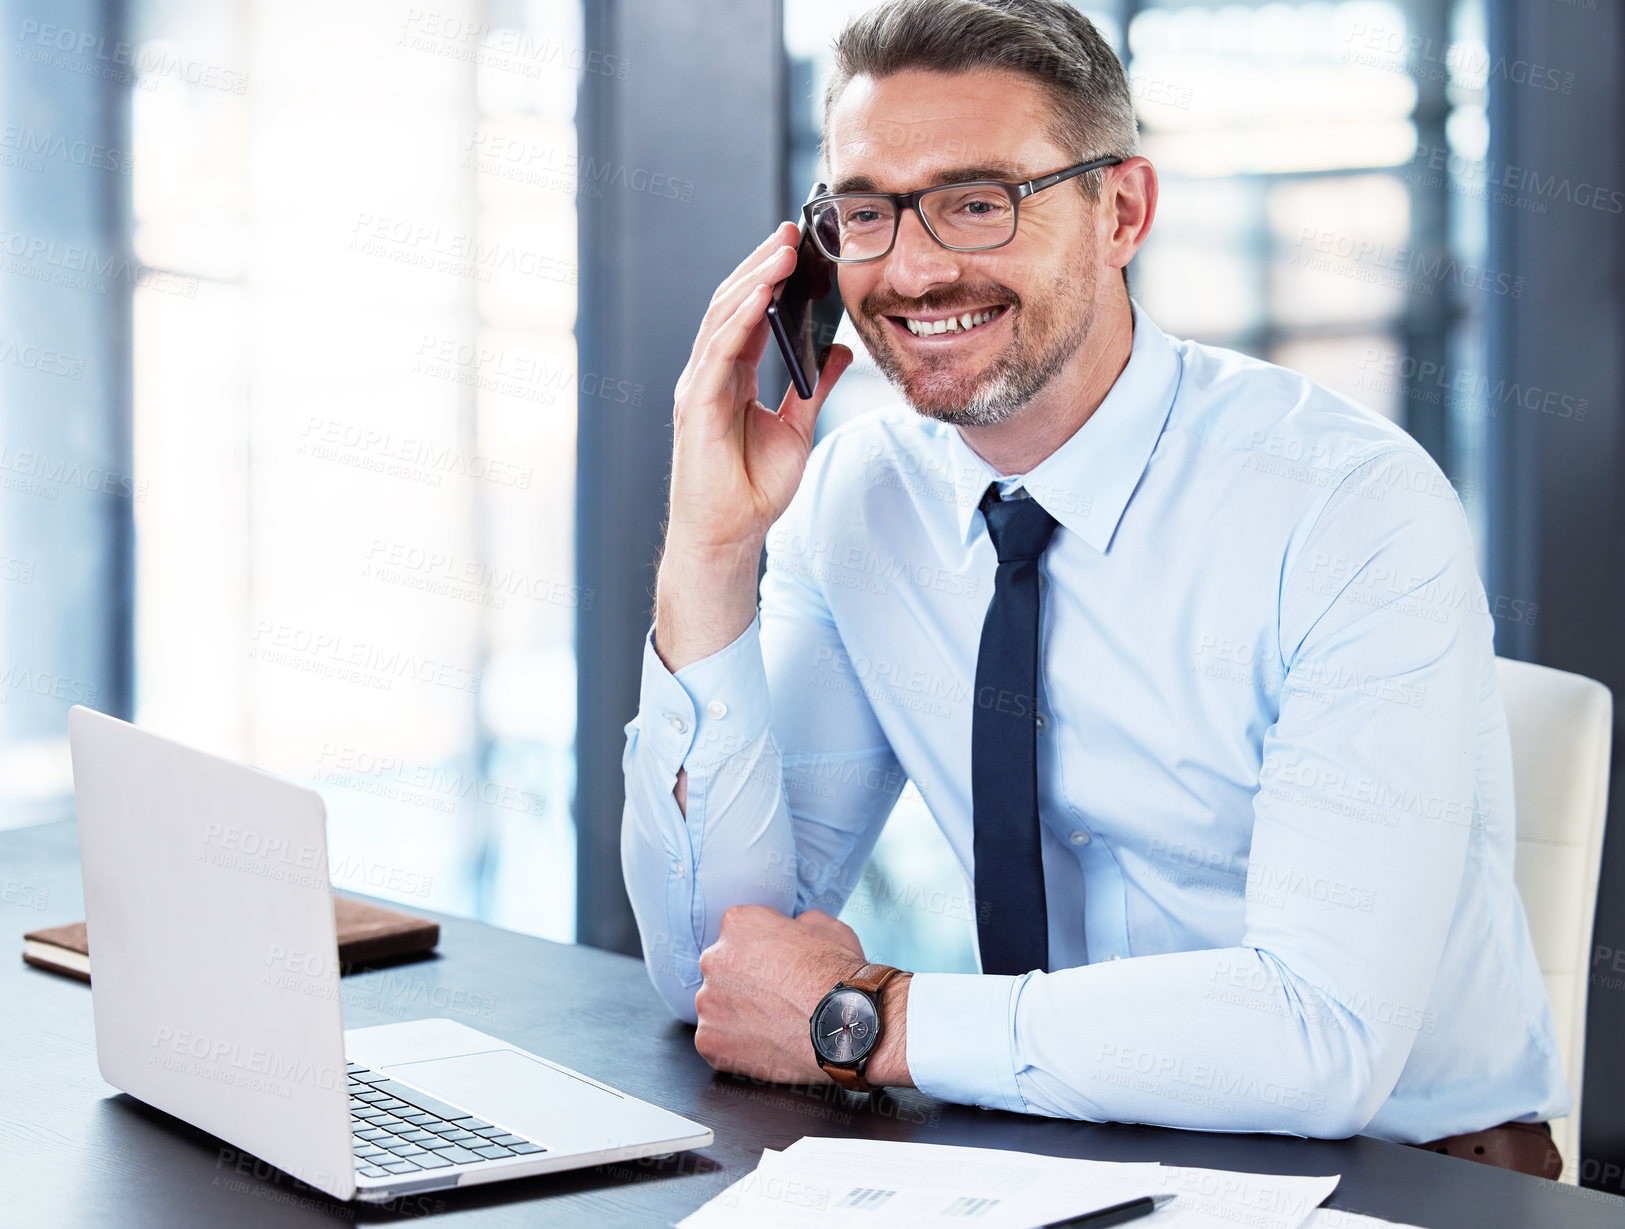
x: 1040, y: 722
x: 716, y: 710
x: 1079, y: 837
x: 678, y: 869
x: 677, y: 723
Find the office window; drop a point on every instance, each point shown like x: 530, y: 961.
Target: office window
x: 1321, y: 207
x: 1276, y: 157
x: 355, y: 415
x: 1322, y: 199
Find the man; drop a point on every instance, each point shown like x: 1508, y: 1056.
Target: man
x: 1187, y: 655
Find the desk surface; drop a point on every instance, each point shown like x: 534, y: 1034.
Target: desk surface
x: 77, y: 1152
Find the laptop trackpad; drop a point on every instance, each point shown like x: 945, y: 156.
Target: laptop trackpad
x: 528, y: 1097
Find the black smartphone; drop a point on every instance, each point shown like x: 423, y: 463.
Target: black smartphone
x: 806, y: 310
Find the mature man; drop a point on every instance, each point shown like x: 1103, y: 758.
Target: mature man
x: 1187, y: 655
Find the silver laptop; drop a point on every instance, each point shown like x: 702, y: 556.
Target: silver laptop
x: 216, y: 995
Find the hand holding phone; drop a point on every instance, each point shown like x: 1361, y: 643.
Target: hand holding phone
x: 736, y: 463
x: 806, y: 310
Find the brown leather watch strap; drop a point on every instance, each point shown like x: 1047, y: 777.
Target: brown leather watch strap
x: 872, y: 977
x: 847, y: 1077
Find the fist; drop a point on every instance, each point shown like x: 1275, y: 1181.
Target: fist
x: 761, y: 980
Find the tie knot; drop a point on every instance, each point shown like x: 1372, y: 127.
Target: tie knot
x: 1020, y: 528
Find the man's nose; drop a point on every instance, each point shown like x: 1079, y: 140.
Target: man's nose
x: 918, y: 263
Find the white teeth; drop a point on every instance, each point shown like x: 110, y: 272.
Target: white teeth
x: 950, y: 324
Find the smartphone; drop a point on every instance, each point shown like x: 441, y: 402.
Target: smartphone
x: 806, y: 310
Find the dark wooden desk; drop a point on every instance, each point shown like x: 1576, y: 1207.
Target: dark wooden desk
x: 75, y: 1152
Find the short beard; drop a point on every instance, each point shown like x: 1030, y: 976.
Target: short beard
x: 1042, y: 342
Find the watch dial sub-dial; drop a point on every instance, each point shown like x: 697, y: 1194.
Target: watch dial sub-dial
x: 845, y: 1026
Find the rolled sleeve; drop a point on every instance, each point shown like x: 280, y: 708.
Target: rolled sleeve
x: 725, y: 704
x: 708, y: 716
x: 704, y: 703
x: 961, y: 1038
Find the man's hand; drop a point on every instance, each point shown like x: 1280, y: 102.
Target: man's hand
x: 735, y: 464
x: 764, y: 976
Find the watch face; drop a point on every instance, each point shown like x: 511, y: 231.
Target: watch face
x: 844, y: 1026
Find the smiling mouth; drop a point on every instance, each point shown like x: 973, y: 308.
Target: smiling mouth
x: 945, y: 326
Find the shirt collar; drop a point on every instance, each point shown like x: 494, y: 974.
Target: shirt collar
x: 1085, y: 483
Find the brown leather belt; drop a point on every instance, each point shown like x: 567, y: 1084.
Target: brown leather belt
x: 1524, y: 1146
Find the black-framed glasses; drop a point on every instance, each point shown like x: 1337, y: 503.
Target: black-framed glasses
x: 852, y: 227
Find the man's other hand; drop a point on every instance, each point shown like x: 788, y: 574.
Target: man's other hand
x: 762, y: 979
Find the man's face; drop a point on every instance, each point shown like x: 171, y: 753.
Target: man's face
x: 918, y: 129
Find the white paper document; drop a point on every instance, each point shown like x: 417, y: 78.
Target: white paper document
x: 1331, y: 1218
x: 904, y: 1184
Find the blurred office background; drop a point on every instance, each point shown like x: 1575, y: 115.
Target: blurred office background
x: 337, y: 346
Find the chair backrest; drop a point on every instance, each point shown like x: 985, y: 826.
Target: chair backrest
x: 1561, y: 726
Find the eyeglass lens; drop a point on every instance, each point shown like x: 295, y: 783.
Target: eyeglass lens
x: 860, y: 227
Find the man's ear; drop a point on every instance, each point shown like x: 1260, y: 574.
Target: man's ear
x: 1132, y: 201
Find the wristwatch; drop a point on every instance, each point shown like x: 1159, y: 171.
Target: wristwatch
x: 846, y: 1026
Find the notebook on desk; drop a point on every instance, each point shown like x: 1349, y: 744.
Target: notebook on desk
x: 203, y: 878
x: 366, y: 933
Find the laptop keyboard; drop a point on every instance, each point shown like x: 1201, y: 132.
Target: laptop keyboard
x: 399, y: 1130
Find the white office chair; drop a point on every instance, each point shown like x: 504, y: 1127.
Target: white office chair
x: 1561, y: 726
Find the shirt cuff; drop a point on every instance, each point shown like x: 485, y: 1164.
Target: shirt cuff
x: 708, y: 710
x: 960, y: 1034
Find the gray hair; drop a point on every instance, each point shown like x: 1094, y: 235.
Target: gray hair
x: 1047, y: 40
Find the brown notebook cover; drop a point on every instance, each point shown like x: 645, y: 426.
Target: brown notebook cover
x: 366, y: 933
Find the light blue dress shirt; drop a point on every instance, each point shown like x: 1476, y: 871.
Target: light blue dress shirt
x: 1274, y: 778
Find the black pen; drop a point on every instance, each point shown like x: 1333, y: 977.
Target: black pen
x: 1116, y: 1214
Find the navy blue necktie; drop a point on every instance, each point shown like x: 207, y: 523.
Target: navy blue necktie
x: 1012, y: 925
